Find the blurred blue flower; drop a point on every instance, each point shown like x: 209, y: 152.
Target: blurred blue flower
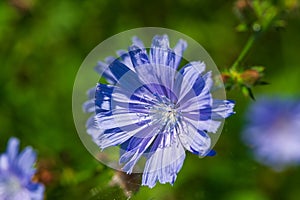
x: 16, y: 173
x: 273, y: 131
x: 153, y: 110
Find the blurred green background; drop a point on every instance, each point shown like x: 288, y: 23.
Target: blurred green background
x: 42, y: 45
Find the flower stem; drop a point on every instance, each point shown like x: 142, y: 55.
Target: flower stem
x: 244, y: 52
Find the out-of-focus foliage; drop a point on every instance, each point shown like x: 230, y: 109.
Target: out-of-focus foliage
x: 256, y: 17
x: 244, y: 79
x: 42, y: 44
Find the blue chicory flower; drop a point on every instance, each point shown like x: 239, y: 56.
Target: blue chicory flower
x: 16, y: 173
x: 153, y: 109
x: 273, y: 131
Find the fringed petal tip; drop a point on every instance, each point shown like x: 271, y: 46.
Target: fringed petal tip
x: 137, y: 42
x: 163, y: 165
x: 180, y: 47
x: 160, y: 41
x: 151, y: 184
x: 222, y: 109
x: 88, y: 106
x: 229, y: 104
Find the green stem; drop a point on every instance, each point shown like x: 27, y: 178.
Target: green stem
x: 244, y: 52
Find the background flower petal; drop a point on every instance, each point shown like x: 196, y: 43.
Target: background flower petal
x: 13, y: 149
x: 26, y: 160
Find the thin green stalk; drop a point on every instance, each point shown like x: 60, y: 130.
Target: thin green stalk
x: 244, y: 52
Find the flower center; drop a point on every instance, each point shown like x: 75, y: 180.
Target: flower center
x: 166, y: 112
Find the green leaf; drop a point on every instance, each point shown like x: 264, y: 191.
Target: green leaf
x: 248, y: 92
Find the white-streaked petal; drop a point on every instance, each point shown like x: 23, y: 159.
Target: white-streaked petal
x: 138, y: 56
x: 222, y: 109
x: 89, y: 106
x: 125, y: 59
x: 103, y: 70
x: 108, y: 60
x: 187, y: 77
x: 211, y: 126
x: 194, y: 140
x: 131, y: 156
x: 126, y: 78
x: 198, y: 95
x: 164, y: 164
x: 103, y: 98
x: 137, y: 42
x: 116, y: 136
x: 178, y: 50
x: 92, y: 127
x: 160, y: 51
x: 153, y: 73
x: 197, y: 103
x: 120, y: 118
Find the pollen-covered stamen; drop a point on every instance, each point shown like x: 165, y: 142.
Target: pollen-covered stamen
x: 166, y: 112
